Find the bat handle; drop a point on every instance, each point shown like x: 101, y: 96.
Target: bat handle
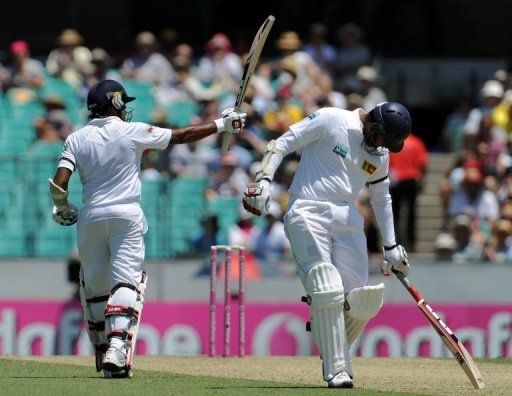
x: 225, y: 138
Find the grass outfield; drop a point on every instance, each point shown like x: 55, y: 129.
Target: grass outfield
x: 251, y: 375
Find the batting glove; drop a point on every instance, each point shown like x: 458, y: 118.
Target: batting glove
x: 256, y: 198
x: 232, y: 121
x: 395, y: 259
x: 65, y: 217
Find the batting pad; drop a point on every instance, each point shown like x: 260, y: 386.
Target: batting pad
x: 325, y: 290
x: 363, y: 303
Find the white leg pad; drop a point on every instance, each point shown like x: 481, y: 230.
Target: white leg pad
x: 362, y: 304
x: 325, y: 291
x: 123, y: 314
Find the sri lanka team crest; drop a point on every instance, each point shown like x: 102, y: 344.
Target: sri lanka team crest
x: 312, y: 115
x: 368, y: 167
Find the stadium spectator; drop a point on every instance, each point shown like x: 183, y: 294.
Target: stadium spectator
x: 372, y: 95
x: 219, y: 63
x: 102, y: 68
x: 351, y: 55
x: 24, y: 72
x: 492, y: 94
x: 271, y: 247
x: 322, y: 53
x: 148, y: 65
x: 305, y: 69
x: 454, y: 127
x: 469, y: 240
x: 229, y: 180
x: 287, y: 111
x: 70, y: 61
x: 445, y: 246
x: 473, y: 199
x: 407, y: 170
x: 55, y: 125
x: 191, y: 160
x: 499, y: 250
x: 187, y: 87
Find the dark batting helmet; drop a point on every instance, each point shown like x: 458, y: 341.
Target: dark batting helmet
x: 392, y: 120
x: 107, y: 92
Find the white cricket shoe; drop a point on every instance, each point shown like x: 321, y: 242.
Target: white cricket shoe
x: 341, y: 380
x: 115, y: 359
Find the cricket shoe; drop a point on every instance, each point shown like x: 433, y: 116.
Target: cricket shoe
x: 341, y: 380
x: 115, y: 360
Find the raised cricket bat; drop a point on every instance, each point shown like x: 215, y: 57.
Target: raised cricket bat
x: 449, y: 338
x: 250, y: 65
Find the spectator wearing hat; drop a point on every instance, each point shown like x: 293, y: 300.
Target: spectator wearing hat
x: 445, y: 246
x: 24, y: 72
x: 491, y: 94
x: 473, y: 199
x: 322, y: 53
x: 469, y: 240
x: 148, y: 65
x: 306, y: 70
x: 271, y: 247
x: 372, y: 95
x: 351, y: 55
x: 71, y: 61
x: 407, y: 170
x: 220, y: 64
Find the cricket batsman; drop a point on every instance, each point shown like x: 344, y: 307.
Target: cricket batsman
x: 342, y: 151
x: 111, y: 225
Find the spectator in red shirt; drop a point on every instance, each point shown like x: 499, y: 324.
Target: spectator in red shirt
x: 407, y: 170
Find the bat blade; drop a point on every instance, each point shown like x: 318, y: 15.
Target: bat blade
x: 250, y: 65
x: 456, y: 347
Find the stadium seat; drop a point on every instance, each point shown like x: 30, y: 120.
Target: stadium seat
x: 180, y: 114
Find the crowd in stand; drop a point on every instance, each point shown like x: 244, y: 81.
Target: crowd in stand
x: 476, y: 193
x: 309, y: 73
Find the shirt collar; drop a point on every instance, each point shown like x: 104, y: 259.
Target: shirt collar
x: 354, y: 122
x: 104, y: 120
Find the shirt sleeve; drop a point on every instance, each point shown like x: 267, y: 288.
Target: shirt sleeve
x: 67, y: 158
x: 149, y: 137
x: 305, y: 132
x: 381, y: 173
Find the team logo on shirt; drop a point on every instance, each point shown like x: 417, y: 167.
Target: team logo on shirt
x: 368, y: 167
x: 341, y: 150
x: 149, y: 129
x: 312, y: 115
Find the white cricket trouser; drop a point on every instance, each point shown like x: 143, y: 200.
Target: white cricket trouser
x: 111, y: 251
x: 323, y: 232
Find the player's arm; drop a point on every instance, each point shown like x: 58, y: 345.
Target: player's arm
x: 257, y: 195
x: 395, y: 257
x: 231, y: 122
x: 63, y: 212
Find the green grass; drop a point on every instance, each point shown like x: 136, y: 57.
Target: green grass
x: 19, y: 377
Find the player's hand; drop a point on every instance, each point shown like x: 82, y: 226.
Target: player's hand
x: 65, y: 217
x: 395, y: 259
x: 232, y: 121
x: 256, y: 198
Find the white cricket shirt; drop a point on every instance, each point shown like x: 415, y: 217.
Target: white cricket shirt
x: 107, y: 153
x: 333, y: 166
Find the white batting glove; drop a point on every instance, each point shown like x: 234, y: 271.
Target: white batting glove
x: 395, y: 259
x: 256, y: 198
x: 65, y: 217
x: 232, y: 121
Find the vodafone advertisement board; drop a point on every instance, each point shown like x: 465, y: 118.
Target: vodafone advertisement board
x: 56, y: 328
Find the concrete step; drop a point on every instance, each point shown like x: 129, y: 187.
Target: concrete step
x: 424, y: 223
x: 424, y: 247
